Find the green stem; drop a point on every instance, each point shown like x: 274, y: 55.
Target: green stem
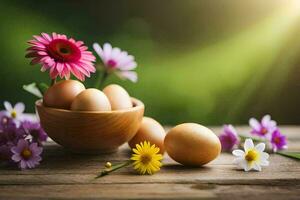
x: 101, y: 79
x: 243, y: 137
x: 113, y: 168
x: 53, y: 81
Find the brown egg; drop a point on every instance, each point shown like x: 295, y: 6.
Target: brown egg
x: 62, y: 94
x: 192, y: 144
x: 91, y: 100
x: 150, y: 130
x: 118, y: 97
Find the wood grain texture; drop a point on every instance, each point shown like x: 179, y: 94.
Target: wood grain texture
x: 63, y: 175
x: 91, y: 131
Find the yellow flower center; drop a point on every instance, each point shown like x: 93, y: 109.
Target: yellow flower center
x: 26, y: 153
x: 251, y: 155
x: 145, y: 159
x: 13, y: 114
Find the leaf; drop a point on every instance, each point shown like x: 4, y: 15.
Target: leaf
x: 33, y: 89
x: 295, y: 155
x: 43, y: 87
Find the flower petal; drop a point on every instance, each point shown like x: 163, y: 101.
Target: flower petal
x: 243, y: 165
x: 8, y: 106
x: 247, y: 166
x: 16, y: 158
x: 22, y: 144
x: 248, y: 144
x: 115, y: 53
x: 99, y: 51
x: 59, y: 67
x: 130, y: 66
x: 264, y: 163
x: 257, y: 167
x: 46, y: 36
x: 272, y: 124
x: 254, y: 124
x: 132, y: 76
x: 107, y: 48
x: 260, y: 147
x: 19, y: 107
x: 238, y: 152
x: 268, y: 123
x: 230, y: 129
x: 264, y: 156
x: 126, y: 59
x: 238, y: 160
x: 23, y: 164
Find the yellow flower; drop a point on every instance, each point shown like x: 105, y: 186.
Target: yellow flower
x: 146, y: 158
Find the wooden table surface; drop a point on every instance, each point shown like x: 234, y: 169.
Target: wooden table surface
x: 63, y: 175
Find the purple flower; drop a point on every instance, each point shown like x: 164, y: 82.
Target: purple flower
x: 8, y: 136
x: 7, y: 123
x: 229, y: 138
x: 9, y: 133
x: 278, y: 141
x: 35, y: 131
x: 264, y: 128
x: 20, y: 136
x: 117, y: 61
x: 26, y: 155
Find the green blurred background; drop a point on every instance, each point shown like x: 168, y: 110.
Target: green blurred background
x: 204, y: 61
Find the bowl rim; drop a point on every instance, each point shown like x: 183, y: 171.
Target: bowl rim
x: 137, y: 106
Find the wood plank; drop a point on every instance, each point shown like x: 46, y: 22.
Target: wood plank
x: 150, y: 191
x: 64, y: 175
x: 80, y: 164
x: 124, y: 191
x: 219, y: 171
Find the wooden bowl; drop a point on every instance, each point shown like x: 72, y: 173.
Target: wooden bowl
x: 91, y: 131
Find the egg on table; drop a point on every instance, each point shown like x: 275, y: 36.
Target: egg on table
x: 118, y: 97
x: 151, y: 131
x: 91, y: 100
x: 192, y: 144
x: 62, y: 94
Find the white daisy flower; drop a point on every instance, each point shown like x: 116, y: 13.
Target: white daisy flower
x: 252, y: 158
x: 117, y: 61
x: 15, y: 112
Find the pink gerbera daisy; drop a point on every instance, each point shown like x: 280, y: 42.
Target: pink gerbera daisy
x: 61, y: 56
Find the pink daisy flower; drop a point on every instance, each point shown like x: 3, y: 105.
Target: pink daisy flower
x: 278, y: 141
x: 61, y: 56
x: 229, y: 138
x: 117, y: 61
x: 264, y: 128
